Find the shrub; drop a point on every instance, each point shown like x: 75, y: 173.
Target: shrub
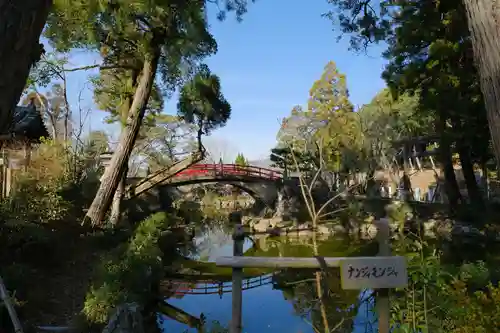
x: 477, y: 312
x: 44, y: 191
x: 130, y: 273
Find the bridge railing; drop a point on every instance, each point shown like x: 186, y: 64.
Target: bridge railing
x: 229, y: 169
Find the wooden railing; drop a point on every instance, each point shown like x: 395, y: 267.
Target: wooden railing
x: 162, y: 175
x: 229, y: 170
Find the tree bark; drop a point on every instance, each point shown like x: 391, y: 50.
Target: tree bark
x: 483, y: 16
x: 112, y: 176
x: 475, y: 196
x: 450, y: 181
x: 21, y: 23
x: 116, y: 206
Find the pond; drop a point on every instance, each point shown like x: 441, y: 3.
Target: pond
x: 273, y: 301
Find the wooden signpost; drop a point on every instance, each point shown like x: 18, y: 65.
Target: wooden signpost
x: 379, y: 273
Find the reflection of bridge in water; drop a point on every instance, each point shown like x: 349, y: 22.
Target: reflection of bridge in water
x: 211, y: 287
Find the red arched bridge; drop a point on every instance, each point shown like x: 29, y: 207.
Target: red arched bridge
x: 228, y: 171
x: 256, y: 180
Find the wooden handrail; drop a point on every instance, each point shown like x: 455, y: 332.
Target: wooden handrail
x: 229, y: 169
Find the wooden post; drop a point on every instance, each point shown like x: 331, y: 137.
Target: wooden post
x: 382, y: 295
x: 237, y: 292
x: 5, y: 298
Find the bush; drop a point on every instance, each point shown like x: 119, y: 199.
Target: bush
x: 44, y: 192
x: 130, y: 273
x: 444, y: 298
x: 34, y: 201
x: 477, y: 312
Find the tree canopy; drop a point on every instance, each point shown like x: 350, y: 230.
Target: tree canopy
x: 240, y: 160
x: 202, y: 103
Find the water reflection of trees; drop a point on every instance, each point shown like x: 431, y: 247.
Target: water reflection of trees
x: 303, y: 246
x: 299, y: 287
x: 317, y: 297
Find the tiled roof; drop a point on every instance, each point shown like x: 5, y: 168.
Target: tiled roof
x: 27, y: 122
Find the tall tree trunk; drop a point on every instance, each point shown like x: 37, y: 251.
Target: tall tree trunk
x: 116, y: 206
x: 199, y: 134
x: 21, y: 23
x: 475, y: 196
x: 406, y: 181
x: 450, y: 181
x: 483, y: 18
x: 112, y: 176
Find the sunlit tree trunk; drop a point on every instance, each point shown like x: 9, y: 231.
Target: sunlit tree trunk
x: 483, y: 21
x: 116, y: 206
x: 21, y: 23
x: 112, y: 176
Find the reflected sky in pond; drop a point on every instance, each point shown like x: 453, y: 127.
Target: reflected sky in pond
x: 290, y: 304
x: 264, y: 310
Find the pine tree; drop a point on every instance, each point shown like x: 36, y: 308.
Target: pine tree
x: 202, y: 103
x: 241, y: 160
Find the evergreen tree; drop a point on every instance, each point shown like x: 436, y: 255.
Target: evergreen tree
x: 240, y: 160
x: 202, y: 103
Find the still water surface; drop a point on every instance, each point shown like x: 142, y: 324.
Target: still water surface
x: 288, y: 303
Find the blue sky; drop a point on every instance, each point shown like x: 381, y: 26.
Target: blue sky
x: 267, y: 64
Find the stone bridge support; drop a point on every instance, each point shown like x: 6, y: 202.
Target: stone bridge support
x: 265, y: 192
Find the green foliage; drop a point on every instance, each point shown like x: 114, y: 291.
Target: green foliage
x: 132, y: 272
x: 442, y: 297
x: 326, y: 126
x: 438, y: 64
x: 49, y: 69
x: 34, y: 202
x: 96, y: 143
x: 125, y: 35
x: 240, y: 160
x: 37, y: 194
x: 282, y: 158
x: 330, y: 134
x: 166, y: 141
x: 477, y: 312
x: 397, y: 212
x: 365, y: 22
x: 114, y: 91
x: 202, y: 103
